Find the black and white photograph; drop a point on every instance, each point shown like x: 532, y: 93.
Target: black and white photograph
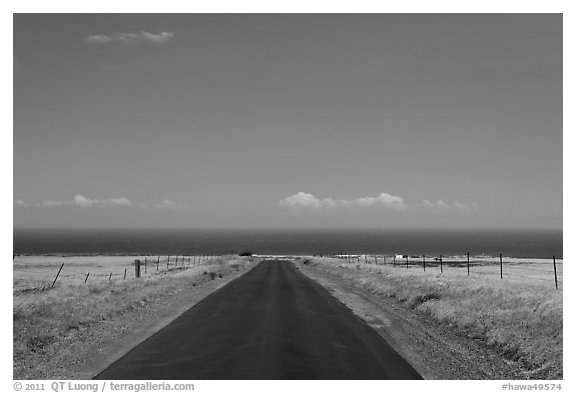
x: 261, y: 196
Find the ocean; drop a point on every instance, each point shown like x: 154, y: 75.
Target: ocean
x: 510, y: 243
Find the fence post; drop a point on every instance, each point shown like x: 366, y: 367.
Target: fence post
x: 441, y: 270
x: 424, y: 261
x: 110, y: 278
x: 54, y: 283
x: 468, y: 262
x: 86, y: 279
x: 406, y: 261
x: 500, y: 266
x: 555, y: 275
x: 137, y: 268
x: 124, y: 273
x: 157, y: 262
x: 394, y: 260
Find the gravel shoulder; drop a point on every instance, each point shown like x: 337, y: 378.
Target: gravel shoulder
x: 435, y: 351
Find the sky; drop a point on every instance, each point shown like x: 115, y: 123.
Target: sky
x: 288, y: 120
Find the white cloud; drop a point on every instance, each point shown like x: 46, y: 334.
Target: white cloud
x: 383, y: 199
x: 158, y: 38
x: 82, y: 201
x: 54, y: 203
x: 301, y: 199
x: 19, y: 202
x: 142, y: 37
x: 309, y: 201
x: 440, y: 204
x: 306, y: 200
x: 99, y: 39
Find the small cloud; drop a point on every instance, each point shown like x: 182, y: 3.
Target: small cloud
x: 309, y: 201
x: 306, y: 200
x: 301, y: 199
x: 98, y: 39
x: 119, y: 202
x: 54, y: 203
x: 19, y: 202
x: 440, y: 204
x: 160, y: 38
x: 82, y: 201
x: 384, y: 199
x: 128, y: 39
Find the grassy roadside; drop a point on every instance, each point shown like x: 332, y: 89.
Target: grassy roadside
x: 522, y: 321
x: 55, y: 330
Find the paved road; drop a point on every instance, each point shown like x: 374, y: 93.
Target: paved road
x: 271, y: 323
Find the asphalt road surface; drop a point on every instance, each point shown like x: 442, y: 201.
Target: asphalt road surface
x: 271, y: 323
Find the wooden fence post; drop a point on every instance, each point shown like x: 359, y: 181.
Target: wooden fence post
x: 54, y: 283
x: 406, y: 261
x: 137, y: 268
x: 124, y: 273
x: 468, y: 262
x: 441, y: 269
x: 110, y: 278
x: 86, y: 279
x: 501, y: 267
x: 555, y: 275
x: 424, y: 261
x: 394, y: 260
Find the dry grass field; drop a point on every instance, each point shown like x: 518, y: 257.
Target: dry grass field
x: 520, y: 316
x: 39, y: 271
x: 53, y: 328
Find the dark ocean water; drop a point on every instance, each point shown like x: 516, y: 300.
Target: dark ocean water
x: 511, y: 243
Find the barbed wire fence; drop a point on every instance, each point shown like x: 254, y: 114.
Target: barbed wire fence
x: 40, y: 278
x: 550, y: 270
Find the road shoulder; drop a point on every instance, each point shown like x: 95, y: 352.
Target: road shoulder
x: 436, y: 352
x: 149, y: 321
